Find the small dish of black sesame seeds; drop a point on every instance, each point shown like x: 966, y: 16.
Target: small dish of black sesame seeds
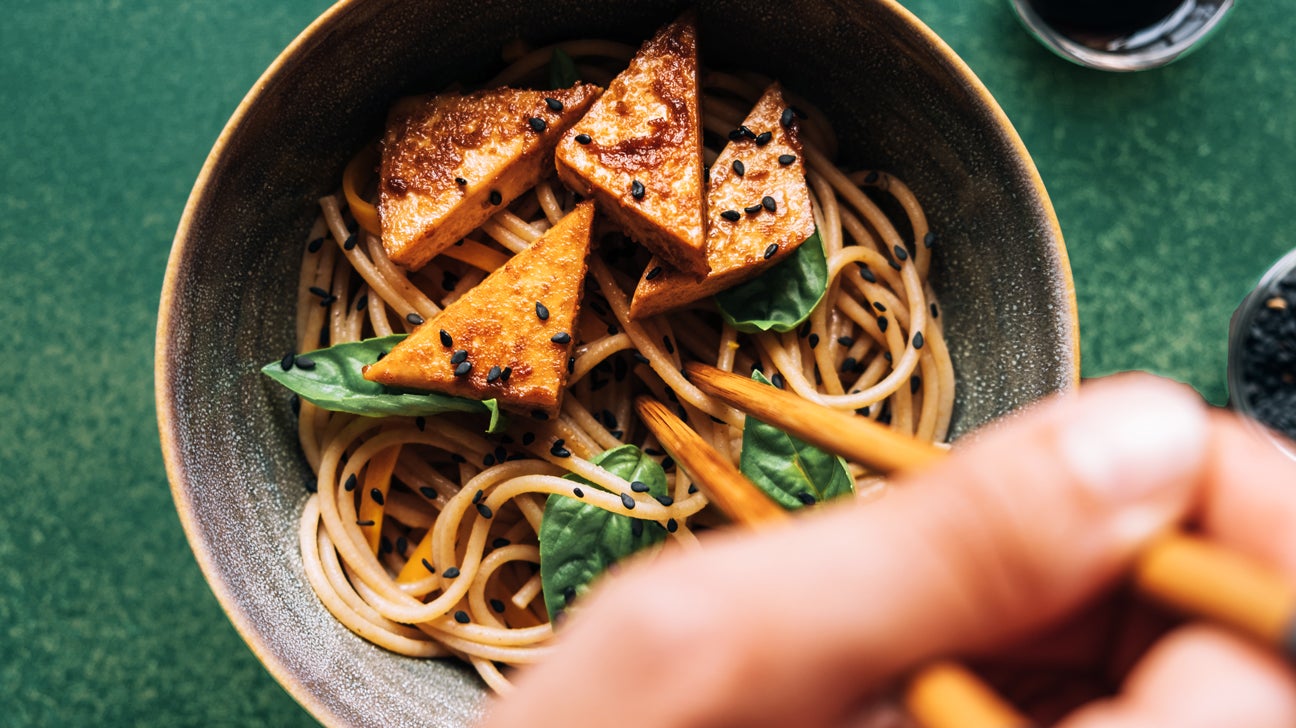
x: 1262, y: 354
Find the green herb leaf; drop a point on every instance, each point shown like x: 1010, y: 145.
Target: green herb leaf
x: 562, y: 70
x: 579, y: 541
x: 783, y: 296
x: 336, y: 383
x: 786, y: 468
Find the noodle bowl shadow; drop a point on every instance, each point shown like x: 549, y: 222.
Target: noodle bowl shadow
x: 900, y: 100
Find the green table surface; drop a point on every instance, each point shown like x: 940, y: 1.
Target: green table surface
x: 1174, y: 188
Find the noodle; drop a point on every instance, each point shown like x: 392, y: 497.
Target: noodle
x: 416, y: 567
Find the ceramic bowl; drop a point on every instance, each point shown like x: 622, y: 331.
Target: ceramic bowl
x: 899, y: 98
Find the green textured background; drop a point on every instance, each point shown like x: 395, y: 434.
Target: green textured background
x: 1174, y: 188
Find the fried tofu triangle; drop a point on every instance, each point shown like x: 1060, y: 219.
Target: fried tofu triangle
x: 510, y: 337
x: 758, y: 211
x: 639, y: 149
x: 451, y: 161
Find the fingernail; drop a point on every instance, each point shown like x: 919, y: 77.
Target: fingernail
x: 1132, y: 440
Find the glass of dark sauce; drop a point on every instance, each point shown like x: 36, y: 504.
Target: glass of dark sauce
x: 1262, y: 354
x: 1121, y: 35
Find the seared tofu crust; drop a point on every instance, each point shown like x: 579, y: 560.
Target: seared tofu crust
x: 773, y: 176
x: 639, y: 149
x: 451, y: 161
x: 515, y: 330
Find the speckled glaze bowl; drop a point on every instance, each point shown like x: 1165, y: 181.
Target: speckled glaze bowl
x: 899, y: 98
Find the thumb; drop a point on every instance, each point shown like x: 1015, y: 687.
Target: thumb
x: 793, y: 626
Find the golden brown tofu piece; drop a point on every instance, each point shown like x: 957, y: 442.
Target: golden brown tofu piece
x: 451, y: 161
x: 758, y: 212
x: 639, y: 149
x: 509, y: 337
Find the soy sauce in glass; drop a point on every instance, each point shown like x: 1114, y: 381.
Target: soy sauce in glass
x: 1121, y: 35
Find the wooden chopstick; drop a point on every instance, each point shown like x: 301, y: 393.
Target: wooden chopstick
x: 1184, y: 572
x: 941, y: 695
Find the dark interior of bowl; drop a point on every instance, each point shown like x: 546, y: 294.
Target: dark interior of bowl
x: 898, y: 102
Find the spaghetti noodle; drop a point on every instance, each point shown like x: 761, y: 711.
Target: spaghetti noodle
x: 422, y: 535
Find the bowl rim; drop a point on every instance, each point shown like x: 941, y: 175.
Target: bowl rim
x: 163, y: 366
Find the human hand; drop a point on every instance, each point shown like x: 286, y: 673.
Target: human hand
x: 1008, y: 553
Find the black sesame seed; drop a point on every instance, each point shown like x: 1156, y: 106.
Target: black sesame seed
x: 746, y: 132
x: 886, y: 355
x: 670, y: 345
x: 314, y: 245
x: 305, y: 362
x: 636, y: 528
x: 377, y: 495
x: 735, y: 135
x: 763, y: 138
x: 753, y: 209
x: 428, y: 565
x: 845, y: 340
x: 637, y: 189
x: 361, y: 302
x: 493, y: 375
x: 500, y: 543
x: 879, y: 306
x: 496, y: 197
x: 497, y: 605
x: 463, y: 369
x: 786, y: 117
x: 350, y: 242
x: 446, y: 339
x: 461, y: 181
x: 327, y: 300
x: 557, y: 449
x: 731, y: 215
x: 656, y: 271
x: 672, y: 526
x: 488, y: 461
x: 451, y: 572
x: 414, y: 319
x: 918, y: 340
x: 739, y: 168
x: 571, y: 364
x: 504, y: 375
x: 286, y: 362
x: 627, y: 501
x: 477, y: 497
x: 578, y: 492
x: 866, y: 273
x: 871, y: 178
x: 692, y: 488
x: 484, y: 510
x: 935, y: 312
x: 528, y: 438
x: 583, y: 139
x: 665, y: 500
x: 554, y: 104
x: 929, y: 239
x: 319, y: 291
x: 537, y: 124
x: 402, y: 544
x: 900, y: 252
x: 562, y: 337
x: 777, y: 380
x: 786, y: 159
x: 295, y: 403
x: 893, y: 264
x: 459, y: 357
x: 639, y: 357
x: 883, y: 323
x: 350, y: 483
x: 542, y: 312
x: 848, y: 364
x: 814, y: 340
x: 769, y: 203
x: 461, y: 616
x: 428, y: 492
x: 915, y: 384
x: 638, y: 486
x: 806, y: 498
x: 364, y: 523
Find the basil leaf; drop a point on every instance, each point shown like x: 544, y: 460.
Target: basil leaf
x: 786, y: 468
x: 336, y: 384
x: 783, y: 296
x: 562, y: 70
x: 579, y: 541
